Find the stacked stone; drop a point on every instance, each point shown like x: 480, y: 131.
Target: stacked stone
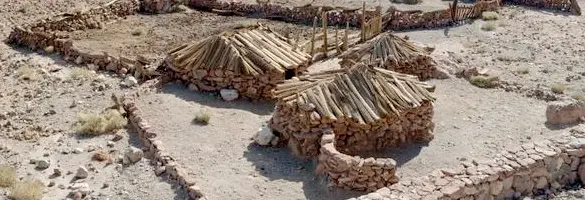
x: 92, y: 19
x: 165, y: 164
x: 302, y: 111
x: 44, y: 35
x: 531, y: 169
x: 160, y: 6
x: 354, y: 172
x: 304, y: 14
x: 561, y: 5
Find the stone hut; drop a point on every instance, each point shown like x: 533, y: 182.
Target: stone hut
x: 366, y: 107
x: 251, y: 60
x: 395, y: 53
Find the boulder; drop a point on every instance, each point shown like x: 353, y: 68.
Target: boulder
x: 565, y: 111
x: 130, y: 81
x: 229, y: 94
x: 42, y: 164
x: 132, y: 155
x: 264, y: 136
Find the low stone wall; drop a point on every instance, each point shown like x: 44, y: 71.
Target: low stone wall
x: 160, y: 6
x: 531, y: 169
x: 353, y: 172
x: 164, y: 163
x: 302, y: 129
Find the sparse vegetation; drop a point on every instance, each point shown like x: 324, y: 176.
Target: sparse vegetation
x: 137, y: 32
x: 27, y: 73
x: 7, y: 176
x: 490, y: 15
x: 97, y: 124
x: 80, y: 73
x: 202, y: 117
x: 558, y: 88
x: 523, y: 71
x: 27, y: 190
x: 484, y: 81
x: 489, y: 26
x: 579, y: 96
x: 100, y: 156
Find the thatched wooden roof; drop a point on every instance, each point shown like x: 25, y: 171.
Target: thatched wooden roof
x: 251, y: 50
x: 365, y: 93
x: 387, y: 47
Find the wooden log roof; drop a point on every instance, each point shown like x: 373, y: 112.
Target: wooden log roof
x: 252, y: 50
x: 386, y: 47
x: 364, y: 92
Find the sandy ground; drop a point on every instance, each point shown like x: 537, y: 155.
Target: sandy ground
x: 471, y: 122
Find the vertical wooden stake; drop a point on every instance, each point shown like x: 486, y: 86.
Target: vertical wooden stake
x: 363, y: 25
x: 346, y: 37
x: 379, y: 20
x: 336, y: 41
x: 324, y: 21
x: 313, y: 37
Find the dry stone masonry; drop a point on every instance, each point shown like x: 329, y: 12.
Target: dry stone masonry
x: 251, y: 60
x: 530, y: 169
x: 164, y: 163
x: 354, y: 172
x: 368, y: 108
x: 393, y: 53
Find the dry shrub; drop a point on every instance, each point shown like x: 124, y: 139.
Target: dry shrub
x: 202, y: 117
x: 7, y: 176
x: 97, y: 124
x: 27, y: 190
x: 558, y: 88
x: 489, y: 26
x: 100, y: 156
x: 484, y: 81
x: 27, y: 73
x: 490, y: 15
x: 579, y: 96
x: 80, y: 73
x: 523, y: 71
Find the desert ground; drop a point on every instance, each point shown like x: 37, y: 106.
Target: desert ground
x: 530, y: 50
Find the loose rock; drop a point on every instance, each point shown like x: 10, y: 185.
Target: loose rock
x: 81, y: 172
x: 263, y: 136
x: 132, y: 155
x: 229, y: 94
x: 565, y: 111
x: 42, y: 164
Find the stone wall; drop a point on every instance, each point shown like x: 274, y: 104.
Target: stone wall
x: 301, y: 129
x: 164, y: 163
x: 531, y: 169
x: 160, y: 6
x: 353, y: 172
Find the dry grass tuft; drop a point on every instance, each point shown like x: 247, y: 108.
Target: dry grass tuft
x: 489, y: 26
x: 80, y: 73
x: 27, y: 190
x: 137, y: 32
x: 7, y: 176
x: 202, y: 117
x: 523, y: 71
x: 97, y: 124
x: 558, y: 88
x: 100, y: 156
x: 579, y: 96
x: 484, y: 81
x: 27, y: 73
x: 490, y: 15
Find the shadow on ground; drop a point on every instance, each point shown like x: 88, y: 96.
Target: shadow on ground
x: 213, y: 100
x: 280, y: 164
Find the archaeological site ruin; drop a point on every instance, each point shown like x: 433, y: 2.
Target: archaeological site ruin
x: 346, y: 92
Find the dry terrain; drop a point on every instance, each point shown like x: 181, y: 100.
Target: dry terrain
x: 531, y: 51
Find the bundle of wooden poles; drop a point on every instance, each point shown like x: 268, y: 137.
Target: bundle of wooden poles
x: 394, y: 53
x: 251, y: 60
x: 360, y: 104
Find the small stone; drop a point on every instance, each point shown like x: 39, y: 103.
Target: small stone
x: 106, y: 185
x: 57, y: 172
x: 123, y: 71
x: 132, y: 155
x: 42, y: 164
x: 117, y: 137
x: 193, y: 87
x: 541, y: 183
x: 77, y: 150
x: 111, y: 144
x: 497, y: 187
x: 264, y: 136
x: 51, y: 184
x: 159, y: 170
x: 229, y: 94
x: 130, y: 81
x: 50, y: 49
x: 81, y: 173
x: 100, y: 78
x: 61, y: 186
x: 79, y: 60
